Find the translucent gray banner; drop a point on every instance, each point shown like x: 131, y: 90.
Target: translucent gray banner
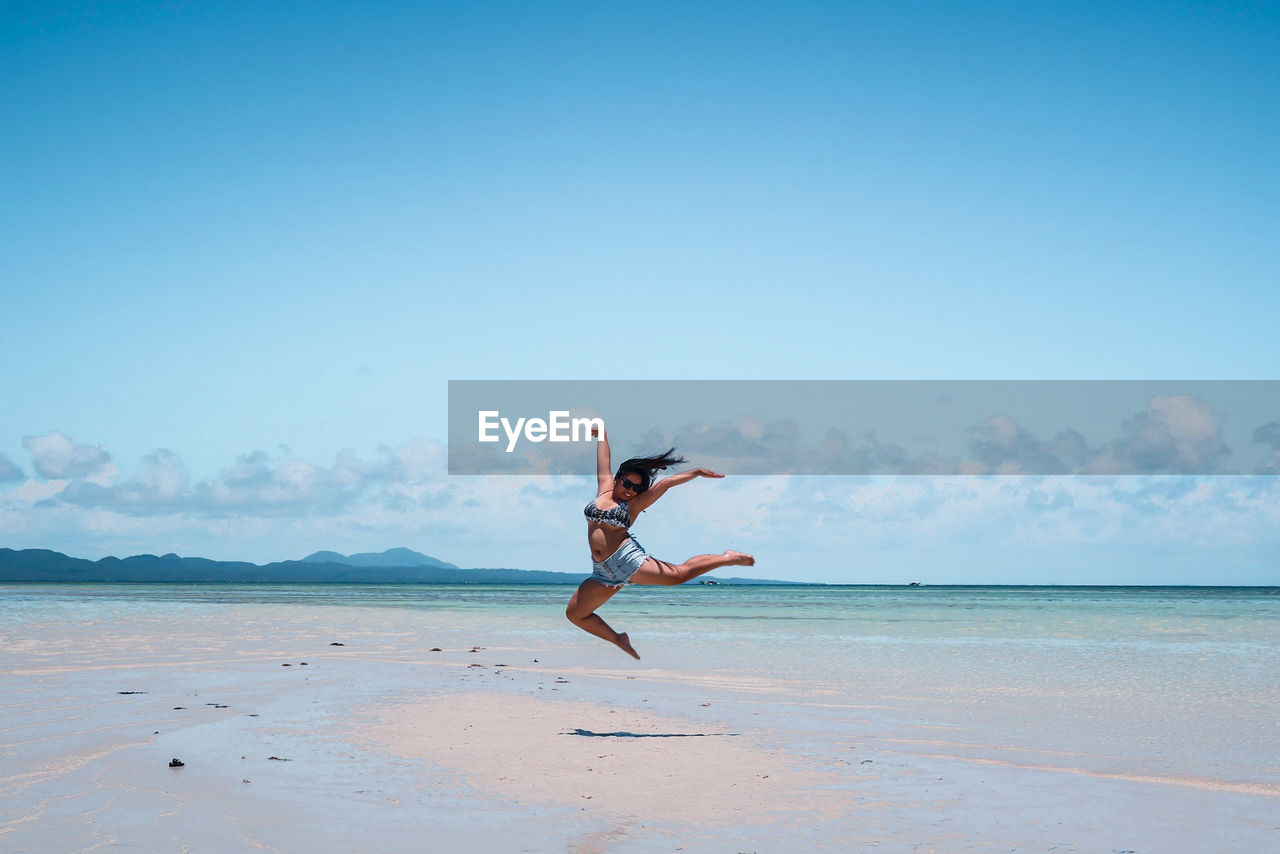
x: 978, y: 427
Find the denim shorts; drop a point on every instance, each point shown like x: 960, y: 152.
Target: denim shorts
x: 616, y: 570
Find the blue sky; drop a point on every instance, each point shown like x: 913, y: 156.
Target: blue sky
x: 244, y: 250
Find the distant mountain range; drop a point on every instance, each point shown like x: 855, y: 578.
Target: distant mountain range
x: 394, y: 566
x: 391, y: 557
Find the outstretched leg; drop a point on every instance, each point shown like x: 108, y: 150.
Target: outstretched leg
x: 582, y: 613
x: 654, y: 571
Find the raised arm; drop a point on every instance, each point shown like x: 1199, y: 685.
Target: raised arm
x: 604, y: 474
x: 653, y: 493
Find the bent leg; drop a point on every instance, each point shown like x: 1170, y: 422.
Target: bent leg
x: 581, y: 612
x: 654, y: 571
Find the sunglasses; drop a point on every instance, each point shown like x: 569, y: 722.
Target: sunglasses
x: 632, y: 485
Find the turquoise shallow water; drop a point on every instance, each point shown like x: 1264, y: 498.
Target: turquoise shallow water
x: 937, y: 604
x: 1159, y: 617
x: 1046, y: 620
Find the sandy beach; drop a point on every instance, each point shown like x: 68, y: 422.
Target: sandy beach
x: 307, y: 728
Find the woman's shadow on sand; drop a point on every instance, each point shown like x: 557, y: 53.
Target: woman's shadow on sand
x: 624, y: 734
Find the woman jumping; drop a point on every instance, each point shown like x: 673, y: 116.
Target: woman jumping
x: 616, y: 556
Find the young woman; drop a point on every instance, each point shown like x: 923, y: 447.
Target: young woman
x: 617, y: 557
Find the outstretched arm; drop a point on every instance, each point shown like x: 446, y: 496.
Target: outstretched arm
x: 604, y: 474
x: 653, y: 493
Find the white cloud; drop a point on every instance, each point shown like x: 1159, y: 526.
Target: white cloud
x: 163, y: 475
x: 1176, y: 434
x: 35, y: 490
x: 105, y: 475
x: 1269, y: 434
x: 55, y: 455
x: 277, y: 500
x: 8, y: 471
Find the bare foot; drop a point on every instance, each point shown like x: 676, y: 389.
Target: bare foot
x: 740, y: 559
x: 624, y: 644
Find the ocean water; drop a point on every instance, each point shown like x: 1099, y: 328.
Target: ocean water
x: 1161, y: 682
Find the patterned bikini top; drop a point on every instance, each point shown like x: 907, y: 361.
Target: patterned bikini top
x: 618, y: 517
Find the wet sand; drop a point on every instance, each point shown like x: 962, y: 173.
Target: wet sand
x: 382, y: 745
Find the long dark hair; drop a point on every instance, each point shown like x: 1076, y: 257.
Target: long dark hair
x: 646, y: 466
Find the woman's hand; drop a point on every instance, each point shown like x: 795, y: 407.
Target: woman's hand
x: 659, y: 489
